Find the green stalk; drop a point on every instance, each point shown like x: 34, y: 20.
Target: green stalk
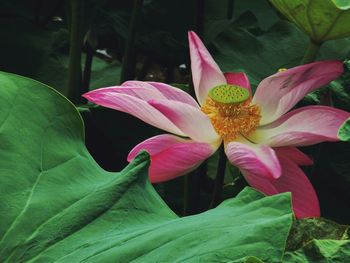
x: 192, y: 180
x: 87, y: 68
x: 75, y: 49
x: 129, y: 59
x: 38, y: 9
x: 199, y: 17
x: 220, y: 177
x: 230, y: 6
x: 311, y: 52
x: 192, y: 190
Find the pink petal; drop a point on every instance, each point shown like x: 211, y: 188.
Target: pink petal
x: 111, y: 98
x: 238, y: 78
x: 151, y: 90
x: 304, y: 198
x: 137, y: 89
x: 260, y: 160
x: 190, y: 120
x: 304, y: 126
x: 172, y: 156
x: 173, y: 93
x: 278, y: 93
x: 206, y: 73
x: 164, y: 91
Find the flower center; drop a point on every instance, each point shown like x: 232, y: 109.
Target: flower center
x: 231, y: 112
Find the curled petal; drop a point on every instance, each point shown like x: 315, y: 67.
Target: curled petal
x: 173, y: 93
x: 304, y: 126
x: 190, y: 120
x: 304, y: 199
x: 114, y: 99
x: 172, y: 156
x: 137, y: 89
x: 206, y: 73
x: 152, y: 90
x: 238, y: 78
x: 278, y: 93
x: 260, y: 160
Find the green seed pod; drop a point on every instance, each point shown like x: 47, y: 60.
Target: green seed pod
x: 229, y: 94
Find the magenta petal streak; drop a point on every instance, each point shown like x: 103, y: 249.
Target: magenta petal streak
x: 172, y: 156
x: 173, y: 93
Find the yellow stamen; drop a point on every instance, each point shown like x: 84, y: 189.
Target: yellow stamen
x: 230, y: 120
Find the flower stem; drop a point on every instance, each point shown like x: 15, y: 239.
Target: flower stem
x: 193, y: 180
x: 220, y: 176
x: 230, y: 9
x: 192, y: 190
x: 75, y: 49
x: 129, y: 59
x: 311, y: 52
x: 87, y: 68
x: 199, y: 17
x: 38, y: 9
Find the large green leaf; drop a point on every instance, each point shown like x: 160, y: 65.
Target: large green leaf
x: 321, y: 20
x: 57, y: 204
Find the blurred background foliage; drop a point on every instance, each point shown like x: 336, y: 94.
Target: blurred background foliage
x: 249, y: 36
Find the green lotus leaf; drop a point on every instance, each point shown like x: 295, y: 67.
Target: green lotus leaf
x: 58, y: 205
x: 321, y: 19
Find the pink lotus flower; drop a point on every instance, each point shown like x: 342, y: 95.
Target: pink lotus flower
x: 260, y: 133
